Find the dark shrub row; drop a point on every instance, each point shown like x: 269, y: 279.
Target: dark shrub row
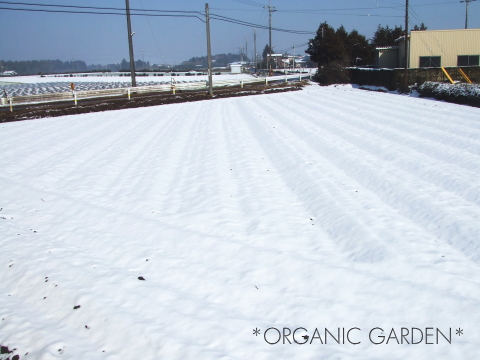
x: 468, y: 94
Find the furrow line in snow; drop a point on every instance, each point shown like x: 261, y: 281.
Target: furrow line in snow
x: 263, y: 200
x: 133, y: 166
x: 336, y: 210
x: 181, y: 185
x: 390, y: 231
x: 45, y: 133
x: 171, y: 161
x: 469, y: 126
x: 425, y: 160
x: 61, y: 147
x: 96, y: 161
x: 453, y: 228
x: 420, y: 127
x: 319, y: 196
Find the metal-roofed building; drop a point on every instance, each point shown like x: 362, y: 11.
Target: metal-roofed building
x: 433, y: 48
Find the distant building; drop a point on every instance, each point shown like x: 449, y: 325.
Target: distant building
x: 387, y: 57
x: 433, y: 48
x: 236, y: 68
x: 9, y: 73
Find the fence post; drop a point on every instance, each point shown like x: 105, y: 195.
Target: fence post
x: 266, y: 80
x: 241, y: 83
x: 75, y: 97
x: 128, y: 92
x: 10, y: 100
x: 285, y: 77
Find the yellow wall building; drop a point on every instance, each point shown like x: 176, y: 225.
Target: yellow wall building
x: 436, y: 48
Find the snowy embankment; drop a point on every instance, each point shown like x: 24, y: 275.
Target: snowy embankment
x: 324, y: 208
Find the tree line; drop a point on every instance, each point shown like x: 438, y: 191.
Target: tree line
x: 335, y: 49
x: 38, y: 67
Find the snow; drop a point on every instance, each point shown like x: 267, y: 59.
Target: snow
x: 33, y: 85
x: 331, y: 207
x: 115, y: 78
x: 459, y: 91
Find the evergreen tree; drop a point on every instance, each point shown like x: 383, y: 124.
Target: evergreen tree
x: 385, y: 36
x: 327, y: 46
x: 266, y: 52
x: 124, y: 65
x: 359, y: 49
x: 422, y: 27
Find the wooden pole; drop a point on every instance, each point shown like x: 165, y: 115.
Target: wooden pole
x: 405, y: 87
x: 130, y: 44
x: 209, y: 52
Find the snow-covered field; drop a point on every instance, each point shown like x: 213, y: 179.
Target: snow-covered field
x: 33, y: 85
x: 323, y: 208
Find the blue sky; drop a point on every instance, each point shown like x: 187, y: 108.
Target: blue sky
x: 103, y: 38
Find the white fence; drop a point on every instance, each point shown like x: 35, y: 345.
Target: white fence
x: 74, y: 96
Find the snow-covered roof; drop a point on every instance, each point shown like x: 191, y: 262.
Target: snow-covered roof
x: 387, y: 48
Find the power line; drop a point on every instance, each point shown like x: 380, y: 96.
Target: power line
x: 99, y: 13
x: 151, y: 30
x: 169, y: 13
x: 98, y: 8
x: 245, y: 23
x: 249, y: 2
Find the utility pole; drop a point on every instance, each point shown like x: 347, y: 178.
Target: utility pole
x: 406, y: 48
x: 466, y: 11
x: 271, y: 9
x: 209, y: 51
x: 246, y: 50
x: 130, y: 44
x: 255, y: 47
x: 293, y: 60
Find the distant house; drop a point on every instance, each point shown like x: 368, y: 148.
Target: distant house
x: 433, y: 48
x: 9, y: 73
x: 236, y: 68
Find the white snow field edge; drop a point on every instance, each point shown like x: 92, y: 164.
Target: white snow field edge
x: 33, y: 85
x: 100, y: 78
x: 330, y: 207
